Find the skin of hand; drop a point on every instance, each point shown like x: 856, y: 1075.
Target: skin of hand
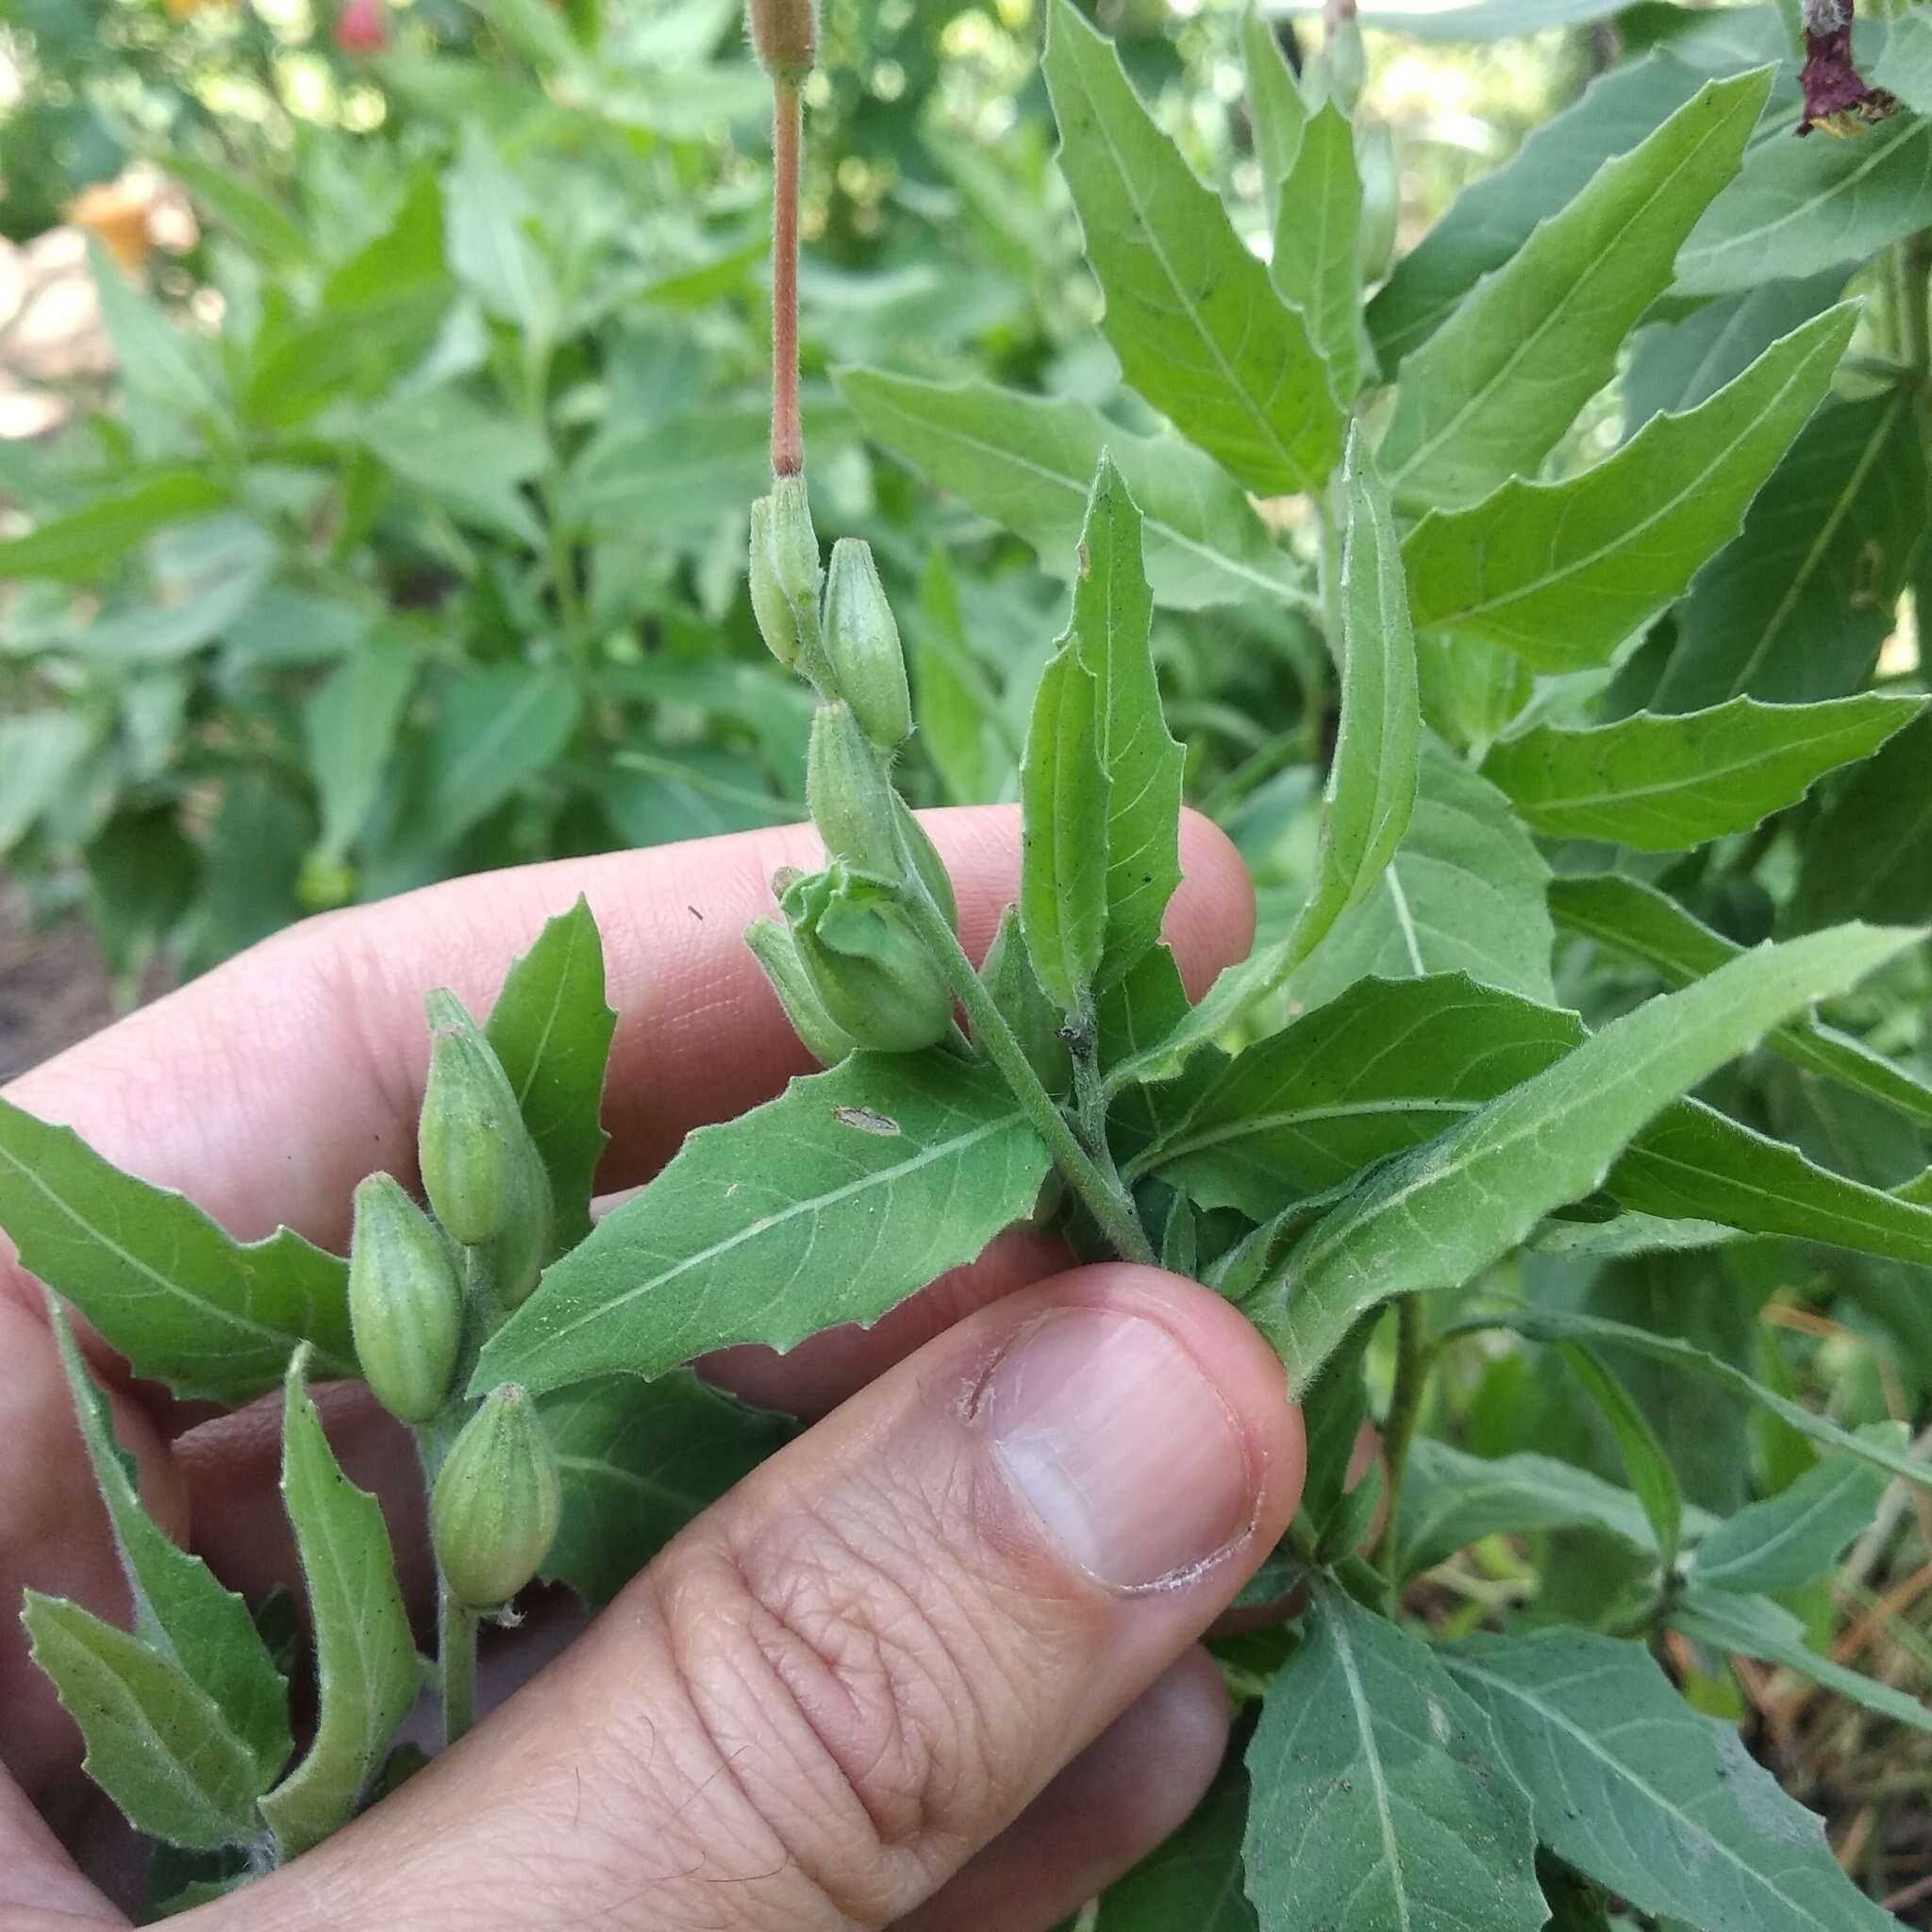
x: 935, y: 1665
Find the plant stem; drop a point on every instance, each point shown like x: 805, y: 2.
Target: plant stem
x: 1413, y: 1363
x: 456, y: 1655
x: 1915, y: 302
x: 1108, y: 1203
x: 787, y: 435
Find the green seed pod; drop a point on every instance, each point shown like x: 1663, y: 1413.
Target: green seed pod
x: 523, y: 1246
x: 794, y: 543
x: 467, y: 1137
x: 1009, y: 978
x: 770, y: 945
x: 769, y: 603
x: 872, y: 974
x: 784, y: 36
x: 850, y: 800
x: 405, y: 1304
x: 928, y: 863
x: 862, y: 643
x: 495, y: 1510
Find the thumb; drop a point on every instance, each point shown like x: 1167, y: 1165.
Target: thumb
x: 853, y: 1672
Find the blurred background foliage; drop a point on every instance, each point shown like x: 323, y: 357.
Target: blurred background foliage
x: 386, y: 453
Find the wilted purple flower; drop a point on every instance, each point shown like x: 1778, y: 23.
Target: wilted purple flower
x: 1837, y: 96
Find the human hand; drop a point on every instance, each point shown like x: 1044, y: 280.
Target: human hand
x: 914, y: 1670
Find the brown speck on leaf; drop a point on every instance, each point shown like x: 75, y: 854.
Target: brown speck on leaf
x: 866, y: 1121
x: 1080, y: 550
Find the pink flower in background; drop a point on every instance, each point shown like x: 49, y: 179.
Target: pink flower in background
x: 361, y: 27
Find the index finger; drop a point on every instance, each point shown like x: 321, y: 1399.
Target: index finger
x: 267, y: 1088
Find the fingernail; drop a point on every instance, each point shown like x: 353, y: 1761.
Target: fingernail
x: 1122, y: 1447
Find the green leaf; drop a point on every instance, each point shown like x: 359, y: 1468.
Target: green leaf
x: 157, y: 1743
x: 185, y: 1301
x: 1437, y: 1217
x: 1872, y: 846
x: 1451, y: 1500
x: 1316, y: 263
x: 1112, y: 612
x: 1195, y: 1879
x: 1809, y: 205
x: 1664, y: 784
x: 489, y: 220
x: 39, y: 752
x: 1199, y: 329
x: 1755, y: 1626
x: 1492, y: 218
x: 461, y: 454
x: 1491, y: 391
x: 1661, y: 1805
x: 253, y: 216
x: 1274, y: 105
x: 830, y: 1203
x: 551, y: 1029
x: 350, y: 727
x: 1643, y: 923
x: 1027, y: 464
x: 1563, y: 573
x: 181, y: 1612
x: 1377, y: 1799
x: 157, y: 362
x: 500, y: 728
x: 84, y: 542
x: 1552, y: 1325
x: 1065, y: 797
x: 365, y: 1656
x: 1653, y: 1481
x: 1464, y: 892
x: 1796, y: 605
x: 638, y: 1465
x: 1678, y: 365
x: 1788, y: 1540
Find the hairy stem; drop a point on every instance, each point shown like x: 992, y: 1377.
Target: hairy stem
x: 788, y: 434
x: 1106, y: 1202
x: 456, y: 1655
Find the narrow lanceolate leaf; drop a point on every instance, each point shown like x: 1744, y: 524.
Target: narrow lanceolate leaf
x: 1666, y: 783
x: 1643, y: 923
x: 638, y: 1464
x: 181, y: 1612
x: 1435, y: 1218
x: 365, y: 1656
x: 1110, y: 632
x: 1497, y: 213
x: 1028, y: 464
x: 1274, y: 105
x: 1199, y: 329
x: 1064, y: 795
x: 1809, y: 205
x: 1788, y: 1540
x: 1797, y: 605
x: 185, y: 1301
x: 1379, y: 1800
x: 1664, y: 1807
x: 830, y: 1203
x: 1563, y: 573
x: 1755, y: 1626
x: 1451, y: 1500
x: 1195, y: 1879
x: 1646, y: 1463
x: 157, y: 1743
x: 551, y: 1028
x: 1316, y: 263
x: 1491, y: 391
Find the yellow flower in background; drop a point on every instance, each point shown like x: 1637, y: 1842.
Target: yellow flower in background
x: 182, y: 10
x: 116, y: 212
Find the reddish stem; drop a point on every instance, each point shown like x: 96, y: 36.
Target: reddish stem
x: 787, y: 436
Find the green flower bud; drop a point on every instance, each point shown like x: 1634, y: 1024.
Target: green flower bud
x: 525, y: 1244
x: 784, y: 36
x: 850, y: 800
x: 769, y: 604
x: 405, y: 1304
x: 1340, y: 66
x: 1008, y: 976
x: 770, y: 945
x: 497, y: 1502
x: 872, y: 974
x: 862, y: 643
x: 468, y: 1134
x: 794, y: 543
x: 928, y: 863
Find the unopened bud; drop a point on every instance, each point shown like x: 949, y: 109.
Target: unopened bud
x: 928, y: 863
x: 1008, y: 976
x: 772, y: 946
x: 849, y: 797
x: 784, y: 36
x: 862, y: 644
x: 777, y: 623
x: 794, y: 542
x: 1341, y: 65
x: 1381, y: 198
x: 872, y: 974
x: 523, y: 1245
x: 405, y: 1304
x: 497, y: 1502
x: 467, y: 1137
